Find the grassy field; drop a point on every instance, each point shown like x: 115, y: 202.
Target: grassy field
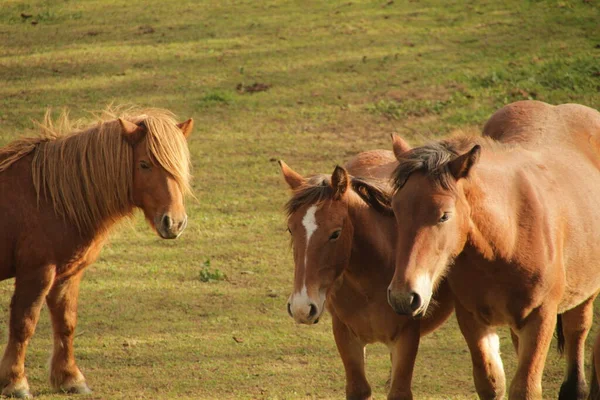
x: 339, y: 78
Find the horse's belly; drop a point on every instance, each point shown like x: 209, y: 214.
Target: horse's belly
x: 581, y: 284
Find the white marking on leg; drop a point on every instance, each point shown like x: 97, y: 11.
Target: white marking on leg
x: 493, y: 346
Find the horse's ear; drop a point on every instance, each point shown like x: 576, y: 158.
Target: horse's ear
x: 339, y: 182
x: 293, y: 179
x: 186, y: 127
x: 461, y: 165
x: 400, y: 146
x: 131, y: 132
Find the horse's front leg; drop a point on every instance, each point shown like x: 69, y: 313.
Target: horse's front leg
x: 62, y: 302
x: 404, y: 353
x: 484, y: 346
x: 534, y: 341
x: 27, y: 300
x: 352, y: 352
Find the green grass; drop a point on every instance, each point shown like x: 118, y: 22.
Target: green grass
x: 343, y: 76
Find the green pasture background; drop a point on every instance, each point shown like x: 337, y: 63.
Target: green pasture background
x: 157, y: 318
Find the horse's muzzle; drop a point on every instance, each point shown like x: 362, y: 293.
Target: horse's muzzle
x: 304, y: 312
x: 406, y: 303
x: 168, y: 227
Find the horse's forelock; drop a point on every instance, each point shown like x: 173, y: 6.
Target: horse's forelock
x: 168, y: 146
x: 315, y: 190
x: 432, y: 160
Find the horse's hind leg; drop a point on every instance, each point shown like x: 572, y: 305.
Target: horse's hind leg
x: 535, y: 335
x: 62, y: 303
x: 576, y: 325
x: 25, y: 308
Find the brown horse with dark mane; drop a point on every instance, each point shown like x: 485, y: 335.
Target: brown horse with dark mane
x: 343, y: 234
x: 60, y: 194
x: 514, y: 228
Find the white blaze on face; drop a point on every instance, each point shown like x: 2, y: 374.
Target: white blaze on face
x: 310, y: 225
x: 300, y: 301
x: 424, y: 288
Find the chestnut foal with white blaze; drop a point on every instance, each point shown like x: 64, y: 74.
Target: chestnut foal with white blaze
x: 60, y: 194
x: 514, y: 228
x: 343, y: 233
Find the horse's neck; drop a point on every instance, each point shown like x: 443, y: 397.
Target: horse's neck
x: 496, y: 197
x: 373, y: 243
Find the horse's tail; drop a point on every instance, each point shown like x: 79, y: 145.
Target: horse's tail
x: 560, y: 335
x: 594, y: 387
x: 594, y: 384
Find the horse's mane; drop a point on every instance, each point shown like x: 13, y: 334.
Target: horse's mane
x: 318, y: 189
x: 432, y: 159
x: 87, y: 173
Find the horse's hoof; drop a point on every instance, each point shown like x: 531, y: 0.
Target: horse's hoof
x: 18, y: 391
x: 77, y: 388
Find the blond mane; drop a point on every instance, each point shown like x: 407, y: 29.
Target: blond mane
x: 87, y: 174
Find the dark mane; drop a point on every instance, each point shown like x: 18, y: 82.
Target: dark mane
x: 432, y: 159
x: 318, y: 189
x: 374, y: 193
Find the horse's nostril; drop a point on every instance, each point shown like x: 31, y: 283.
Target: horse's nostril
x: 289, y: 308
x: 313, y: 310
x: 167, y: 222
x: 415, y: 301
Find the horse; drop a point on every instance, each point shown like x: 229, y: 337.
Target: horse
x: 512, y: 226
x: 343, y: 235
x: 60, y: 193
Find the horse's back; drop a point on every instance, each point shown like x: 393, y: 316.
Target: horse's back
x: 521, y: 122
x: 376, y: 164
x: 542, y: 125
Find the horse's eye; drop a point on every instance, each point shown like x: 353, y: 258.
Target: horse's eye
x: 289, y: 231
x: 335, y: 234
x: 445, y: 217
x: 145, y: 165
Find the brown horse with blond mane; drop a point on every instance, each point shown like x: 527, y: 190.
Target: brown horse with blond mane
x: 343, y: 234
x: 60, y: 194
x: 513, y: 227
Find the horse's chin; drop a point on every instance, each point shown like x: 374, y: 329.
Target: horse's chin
x: 167, y: 235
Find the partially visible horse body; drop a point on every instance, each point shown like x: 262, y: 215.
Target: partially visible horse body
x: 514, y: 228
x: 343, y: 235
x: 59, y: 196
